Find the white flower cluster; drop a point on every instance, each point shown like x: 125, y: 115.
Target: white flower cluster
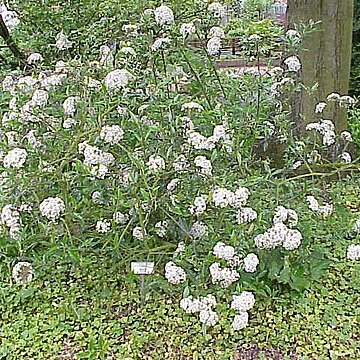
x: 34, y: 58
x: 216, y: 31
x: 40, y: 98
x: 10, y: 217
x: 344, y: 101
x: 69, y: 105
x: 200, y: 142
x: 163, y: 15
x: 97, y: 160
x: 51, y: 208
x: 161, y: 228
x: 187, y: 29
x: 120, y: 218
x: 199, y: 206
x: 155, y: 163
x: 326, y: 129
x: 223, y: 251
x: 245, y: 215
x: 111, y: 134
x: 174, y: 274
x: 345, y: 157
x: 282, y: 214
x: 279, y: 235
x: 217, y: 10
x: 10, y: 17
x: 223, y: 197
x: 160, y: 43
x: 204, y: 164
x: 356, y: 226
x: 293, y: 63
x: 223, y: 276
x: 213, y: 46
x: 242, y: 303
x: 117, y: 80
x: 325, y: 210
x: 192, y: 105
x: 251, y: 262
x: 198, y: 230
x: 62, y: 42
x: 139, y: 233
x: 22, y: 272
x: 202, y: 305
x: 15, y: 158
x: 319, y: 108
x: 353, y: 252
x: 103, y: 226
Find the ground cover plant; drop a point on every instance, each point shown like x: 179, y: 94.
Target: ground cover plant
x: 120, y: 143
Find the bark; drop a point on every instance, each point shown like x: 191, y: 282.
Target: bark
x: 326, y: 58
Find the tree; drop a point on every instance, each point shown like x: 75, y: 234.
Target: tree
x: 325, y: 58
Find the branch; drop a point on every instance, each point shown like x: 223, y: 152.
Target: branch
x: 4, y: 33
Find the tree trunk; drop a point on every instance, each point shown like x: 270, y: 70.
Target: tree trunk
x: 325, y: 58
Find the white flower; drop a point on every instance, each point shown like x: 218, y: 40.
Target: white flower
x: 52, y: 81
x: 15, y: 158
x: 208, y: 317
x: 240, y: 197
x: 353, y: 252
x: 325, y: 209
x: 292, y: 33
x: 52, y: 207
x: 174, y: 274
x: 10, y: 18
x: 117, y: 79
x: 160, y: 43
x: 319, y: 108
x: 223, y: 276
x: 346, y: 136
x: 10, y: 216
x: 172, y: 184
x: 62, y: 42
x: 26, y: 84
x: 333, y: 97
x: 111, y: 134
x: 240, y: 320
x: 243, y: 302
x: 163, y: 15
x: 22, y: 272
x: 130, y: 29
x: 251, y: 261
x: 216, y: 31
x: 200, y: 142
x: 180, y: 163
x: 203, y: 163
x: 293, y: 63
x: 345, y: 157
x: 223, y: 251
x: 199, y: 206
x: 187, y: 29
x: 292, y: 240
x: 180, y: 247
x: 69, y: 105
x: 198, y: 230
x: 103, y: 226
x: 213, y: 46
x: 40, y: 97
x: 356, y: 226
x: 346, y: 101
x: 120, y: 218
x: 192, y: 105
x: 156, y: 163
x: 217, y: 10
x: 246, y: 215
x: 222, y: 197
x: 282, y: 214
x: 34, y: 58
x: 138, y: 233
x: 161, y: 228
x: 190, y: 305
x: 128, y: 50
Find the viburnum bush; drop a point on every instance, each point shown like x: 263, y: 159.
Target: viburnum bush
x: 144, y: 146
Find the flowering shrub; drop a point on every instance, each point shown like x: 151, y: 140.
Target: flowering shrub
x: 146, y: 144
